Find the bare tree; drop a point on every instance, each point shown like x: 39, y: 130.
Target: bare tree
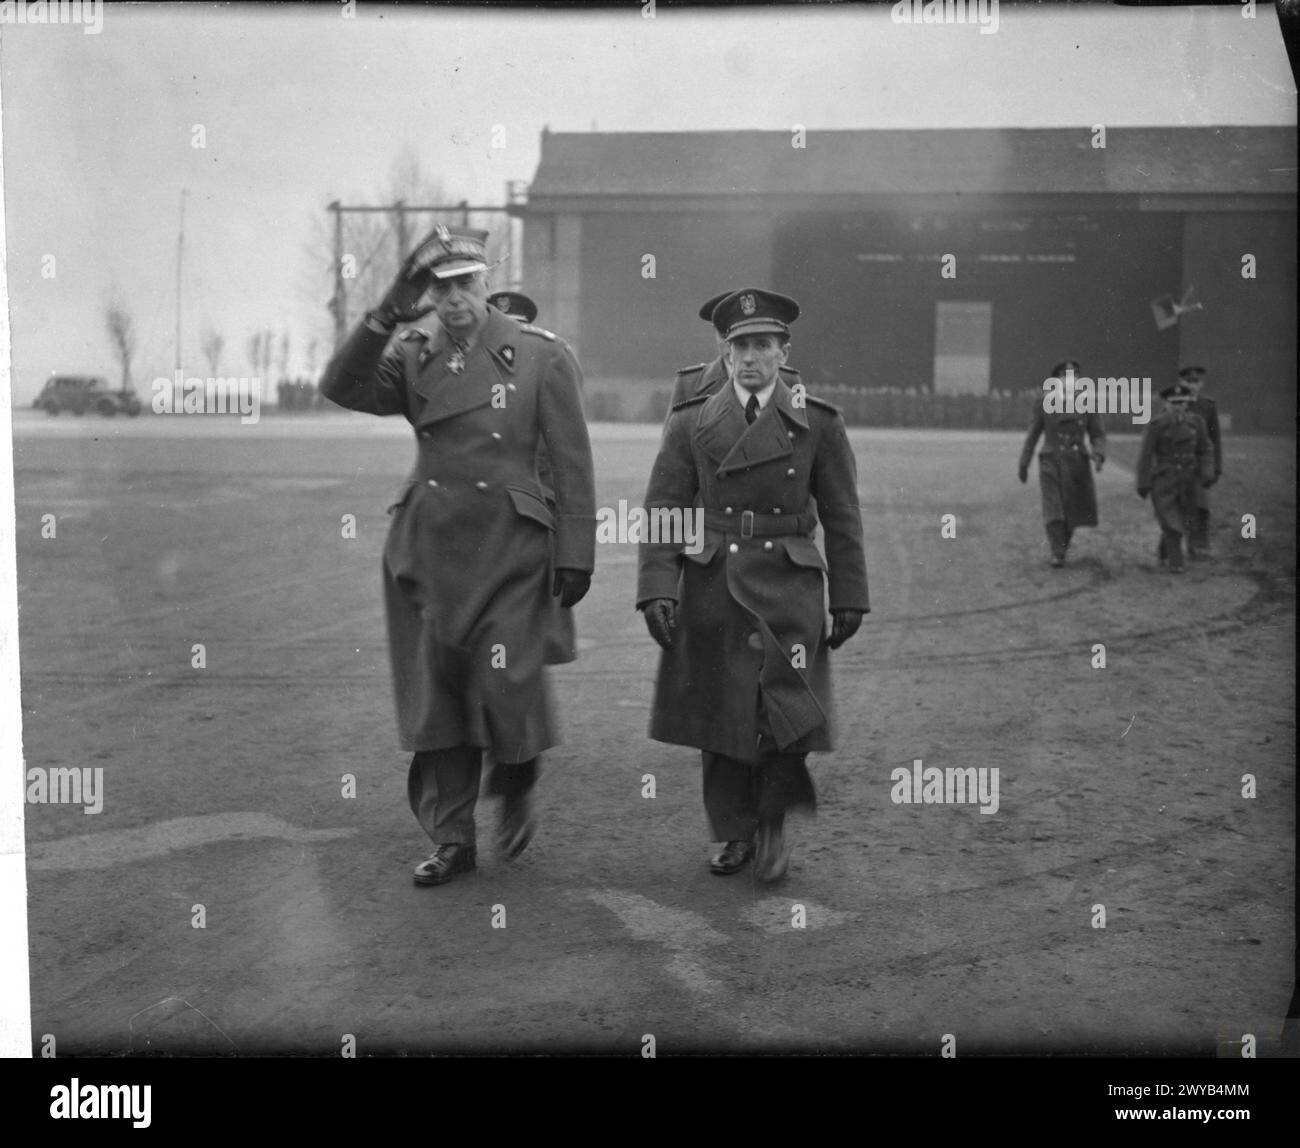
x: 121, y: 329
x: 284, y: 354
x: 311, y: 357
x: 212, y: 346
x: 255, y: 350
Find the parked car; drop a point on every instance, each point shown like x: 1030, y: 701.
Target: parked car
x: 82, y: 393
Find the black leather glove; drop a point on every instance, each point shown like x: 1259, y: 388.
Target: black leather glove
x: 571, y: 586
x: 661, y: 620
x: 401, y: 304
x: 1143, y: 491
x: 1024, y: 474
x: 1099, y: 459
x: 844, y: 624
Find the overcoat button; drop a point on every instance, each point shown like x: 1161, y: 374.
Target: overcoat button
x: 790, y: 433
x: 767, y: 546
x: 790, y: 473
x: 776, y: 510
x: 496, y: 435
x: 511, y: 387
x: 733, y: 548
x: 755, y: 641
x: 433, y: 482
x: 481, y: 485
x: 728, y: 509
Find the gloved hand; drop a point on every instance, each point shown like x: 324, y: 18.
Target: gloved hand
x: 1024, y: 474
x: 661, y: 620
x: 401, y: 303
x: 1143, y: 491
x: 1098, y: 459
x: 571, y: 586
x: 844, y: 624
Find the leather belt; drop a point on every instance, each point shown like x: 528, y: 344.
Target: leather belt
x: 750, y: 525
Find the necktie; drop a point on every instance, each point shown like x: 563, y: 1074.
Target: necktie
x: 751, y: 409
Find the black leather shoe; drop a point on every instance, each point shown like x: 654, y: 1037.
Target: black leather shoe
x: 732, y: 858
x: 517, y: 826
x: 773, y: 856
x: 444, y: 863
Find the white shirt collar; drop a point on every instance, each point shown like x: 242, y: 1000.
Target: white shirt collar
x: 763, y: 396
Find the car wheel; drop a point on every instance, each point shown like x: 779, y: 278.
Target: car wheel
x: 106, y: 407
x: 51, y: 408
x: 133, y: 409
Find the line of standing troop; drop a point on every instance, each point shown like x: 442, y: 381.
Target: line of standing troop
x: 492, y: 543
x: 1180, y: 459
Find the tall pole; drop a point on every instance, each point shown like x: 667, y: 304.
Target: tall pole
x: 340, y: 289
x: 180, y: 256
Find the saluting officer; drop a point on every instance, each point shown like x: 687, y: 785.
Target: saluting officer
x: 1175, y: 459
x: 1198, y: 542
x: 705, y: 378
x: 476, y: 563
x: 1069, y: 497
x: 744, y: 675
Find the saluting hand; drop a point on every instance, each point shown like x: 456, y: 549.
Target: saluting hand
x: 570, y: 586
x: 844, y: 624
x: 401, y: 304
x: 1024, y: 474
x: 661, y: 620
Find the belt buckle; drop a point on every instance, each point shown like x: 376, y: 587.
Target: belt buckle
x: 747, y: 524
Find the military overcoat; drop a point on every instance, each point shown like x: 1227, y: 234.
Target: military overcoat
x: 1064, y: 475
x: 1208, y: 410
x: 469, y: 560
x: 751, y: 619
x: 1176, y: 457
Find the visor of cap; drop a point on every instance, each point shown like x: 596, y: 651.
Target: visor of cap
x: 757, y: 326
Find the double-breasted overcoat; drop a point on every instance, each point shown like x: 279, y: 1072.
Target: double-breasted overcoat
x: 751, y: 616
x: 1064, y: 475
x: 1176, y: 457
x: 474, y: 541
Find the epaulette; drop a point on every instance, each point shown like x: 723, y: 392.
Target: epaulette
x: 821, y: 403
x: 789, y: 370
x: 413, y: 333
x: 545, y: 334
x: 691, y: 401
x: 692, y: 370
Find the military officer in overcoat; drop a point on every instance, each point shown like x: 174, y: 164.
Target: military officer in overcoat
x: 705, y: 378
x: 744, y: 674
x: 1069, y: 498
x: 476, y: 564
x: 1175, y: 459
x: 1198, y: 541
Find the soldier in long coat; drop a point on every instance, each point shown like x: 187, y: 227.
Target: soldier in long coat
x: 1175, y: 459
x: 705, y: 378
x: 1069, y: 497
x: 745, y: 675
x: 1198, y: 541
x: 477, y: 562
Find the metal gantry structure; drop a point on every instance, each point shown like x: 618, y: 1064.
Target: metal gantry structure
x: 400, y: 211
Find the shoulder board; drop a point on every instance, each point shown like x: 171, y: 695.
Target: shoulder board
x: 789, y: 370
x: 545, y: 334
x: 691, y: 401
x: 692, y: 370
x: 821, y: 403
x: 413, y: 333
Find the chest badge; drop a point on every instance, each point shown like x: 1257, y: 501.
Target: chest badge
x: 508, y: 355
x: 456, y: 362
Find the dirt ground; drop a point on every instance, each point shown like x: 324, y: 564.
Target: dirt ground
x: 1119, y: 787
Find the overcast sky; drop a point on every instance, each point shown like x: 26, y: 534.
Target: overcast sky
x: 302, y: 106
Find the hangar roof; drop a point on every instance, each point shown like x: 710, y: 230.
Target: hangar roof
x: 1231, y: 160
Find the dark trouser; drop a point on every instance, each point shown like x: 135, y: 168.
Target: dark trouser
x: 738, y: 794
x: 442, y: 786
x: 1171, y: 548
x: 1058, y: 537
x: 1199, y: 538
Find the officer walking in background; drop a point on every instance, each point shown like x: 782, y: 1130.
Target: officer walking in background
x: 1198, y: 542
x: 476, y: 561
x: 705, y: 378
x: 1069, y: 496
x: 1175, y: 459
x: 744, y: 674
